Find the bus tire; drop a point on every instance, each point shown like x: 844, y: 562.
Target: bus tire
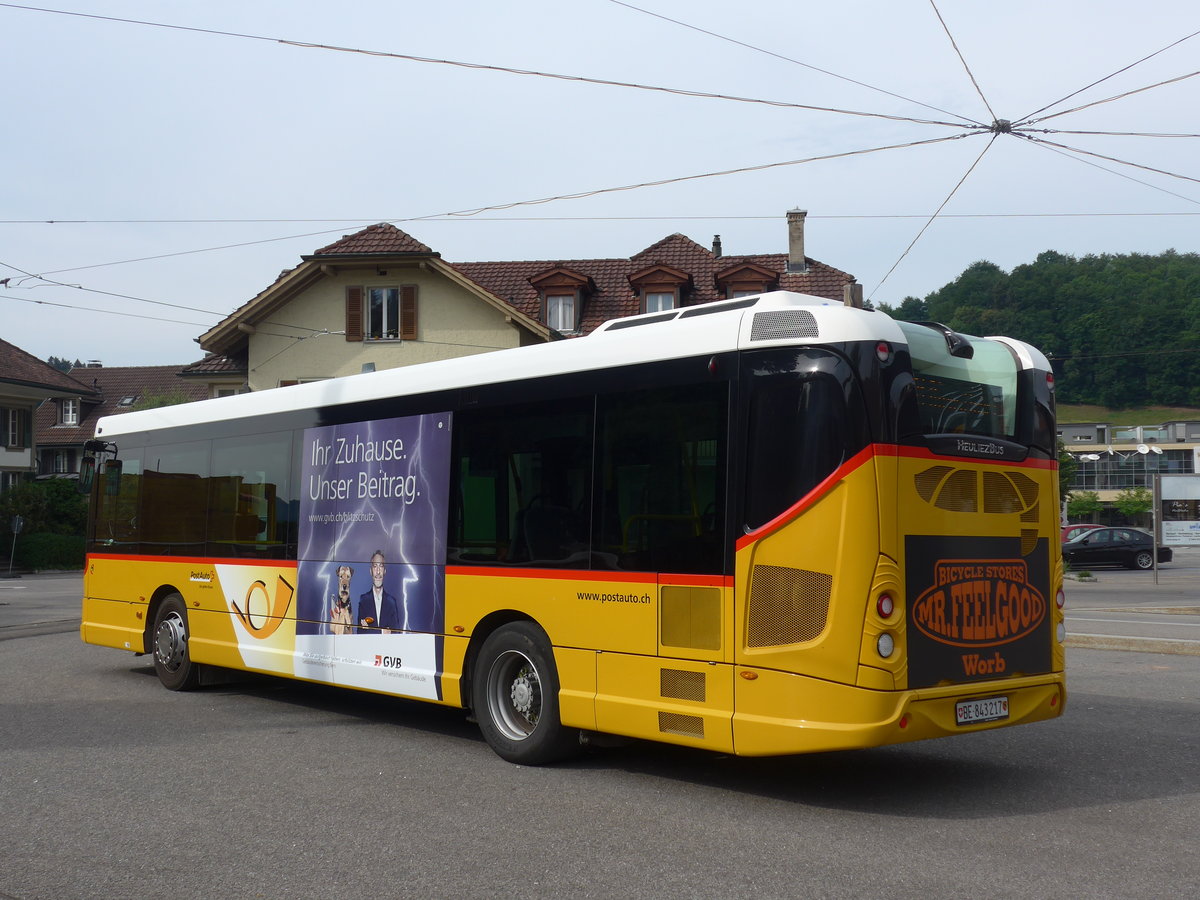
x: 172, y: 660
x: 515, y: 697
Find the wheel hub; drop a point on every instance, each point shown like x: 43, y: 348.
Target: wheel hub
x: 169, y: 642
x: 522, y: 694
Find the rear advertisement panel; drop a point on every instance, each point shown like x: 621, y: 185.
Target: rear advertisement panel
x: 977, y: 609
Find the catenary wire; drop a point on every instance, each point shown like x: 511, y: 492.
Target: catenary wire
x: 780, y: 56
x: 1114, y: 159
x: 963, y: 60
x: 1121, y: 96
x: 1029, y: 116
x: 460, y: 214
x: 384, y: 54
x: 942, y: 206
x: 1055, y: 148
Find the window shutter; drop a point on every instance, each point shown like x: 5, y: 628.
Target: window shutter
x: 354, y: 313
x: 408, y: 313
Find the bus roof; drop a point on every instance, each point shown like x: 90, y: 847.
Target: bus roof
x: 771, y: 319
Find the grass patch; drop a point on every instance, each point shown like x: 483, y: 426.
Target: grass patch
x: 1077, y: 413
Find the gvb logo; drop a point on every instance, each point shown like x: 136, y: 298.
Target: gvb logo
x: 388, y: 662
x: 263, y: 613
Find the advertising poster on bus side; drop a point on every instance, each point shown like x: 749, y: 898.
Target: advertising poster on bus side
x: 372, y: 554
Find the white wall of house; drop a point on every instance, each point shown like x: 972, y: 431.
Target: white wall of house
x: 451, y: 322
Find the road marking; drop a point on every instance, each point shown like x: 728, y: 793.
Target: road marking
x: 1171, y: 623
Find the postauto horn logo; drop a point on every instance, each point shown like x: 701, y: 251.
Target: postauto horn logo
x: 979, y: 603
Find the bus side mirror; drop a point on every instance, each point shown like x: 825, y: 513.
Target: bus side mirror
x: 112, y: 477
x: 87, y: 474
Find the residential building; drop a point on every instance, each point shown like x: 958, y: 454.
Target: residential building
x: 62, y: 424
x: 380, y: 299
x: 25, y: 382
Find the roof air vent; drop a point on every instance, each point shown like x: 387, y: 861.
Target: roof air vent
x: 783, y: 324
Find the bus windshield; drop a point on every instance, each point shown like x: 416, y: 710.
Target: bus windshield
x: 958, y: 395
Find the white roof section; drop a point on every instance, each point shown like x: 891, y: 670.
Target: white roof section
x: 691, y: 331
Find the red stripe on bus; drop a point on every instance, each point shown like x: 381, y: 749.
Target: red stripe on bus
x: 194, y: 560
x: 860, y: 459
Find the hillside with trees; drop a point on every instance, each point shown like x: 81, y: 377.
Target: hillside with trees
x: 1121, y: 330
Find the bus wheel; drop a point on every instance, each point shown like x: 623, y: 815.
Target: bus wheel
x: 515, y: 695
x: 172, y: 662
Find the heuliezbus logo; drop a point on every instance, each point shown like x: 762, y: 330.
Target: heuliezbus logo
x: 978, y: 604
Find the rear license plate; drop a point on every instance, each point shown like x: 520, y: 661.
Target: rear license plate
x: 971, y: 712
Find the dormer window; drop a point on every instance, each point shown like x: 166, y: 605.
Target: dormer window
x: 661, y: 301
x: 745, y: 280
x: 660, y: 288
x: 70, y: 412
x: 562, y: 292
x: 561, y: 314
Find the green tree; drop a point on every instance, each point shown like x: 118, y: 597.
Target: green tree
x: 1084, y: 505
x: 52, y: 506
x: 169, y: 398
x: 1135, y: 503
x: 63, y: 364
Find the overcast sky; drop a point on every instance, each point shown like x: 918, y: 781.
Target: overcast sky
x: 109, y: 125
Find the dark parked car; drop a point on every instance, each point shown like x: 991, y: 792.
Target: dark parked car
x: 1113, y: 547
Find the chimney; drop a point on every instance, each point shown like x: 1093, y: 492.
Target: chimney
x: 717, y: 245
x: 795, y: 221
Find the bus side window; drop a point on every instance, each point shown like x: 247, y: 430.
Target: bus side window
x: 521, y: 485
x: 248, y: 494
x: 799, y: 433
x: 115, y: 525
x: 174, y: 508
x: 660, y: 485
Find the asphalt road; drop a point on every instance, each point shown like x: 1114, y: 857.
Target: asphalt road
x: 115, y: 787
x: 1132, y: 610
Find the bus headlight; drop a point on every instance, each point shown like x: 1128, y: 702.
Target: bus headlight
x: 886, y: 645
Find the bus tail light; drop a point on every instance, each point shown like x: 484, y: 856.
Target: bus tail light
x: 1060, y: 598
x: 885, y: 606
x: 886, y: 645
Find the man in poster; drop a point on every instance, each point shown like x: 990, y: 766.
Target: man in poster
x: 377, y: 609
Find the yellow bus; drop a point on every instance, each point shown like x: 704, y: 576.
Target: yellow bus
x: 770, y: 525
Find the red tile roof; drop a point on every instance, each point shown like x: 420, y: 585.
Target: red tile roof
x: 19, y: 367
x: 613, y: 296
x: 112, y: 385
x: 383, y: 238
x: 214, y: 364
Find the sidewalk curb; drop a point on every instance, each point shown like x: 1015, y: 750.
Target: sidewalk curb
x: 1133, y: 644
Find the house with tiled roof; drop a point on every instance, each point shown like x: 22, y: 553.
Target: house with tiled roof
x: 62, y: 424
x: 381, y: 299
x: 25, y: 382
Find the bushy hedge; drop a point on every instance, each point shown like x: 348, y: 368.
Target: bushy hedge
x: 47, y: 551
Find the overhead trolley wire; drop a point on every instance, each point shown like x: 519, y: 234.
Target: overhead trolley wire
x: 936, y: 212
x: 780, y: 56
x: 1055, y: 148
x: 1121, y: 96
x: 310, y: 45
x: 962, y: 59
x: 1029, y: 116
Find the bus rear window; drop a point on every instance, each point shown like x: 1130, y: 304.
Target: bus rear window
x: 956, y: 395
